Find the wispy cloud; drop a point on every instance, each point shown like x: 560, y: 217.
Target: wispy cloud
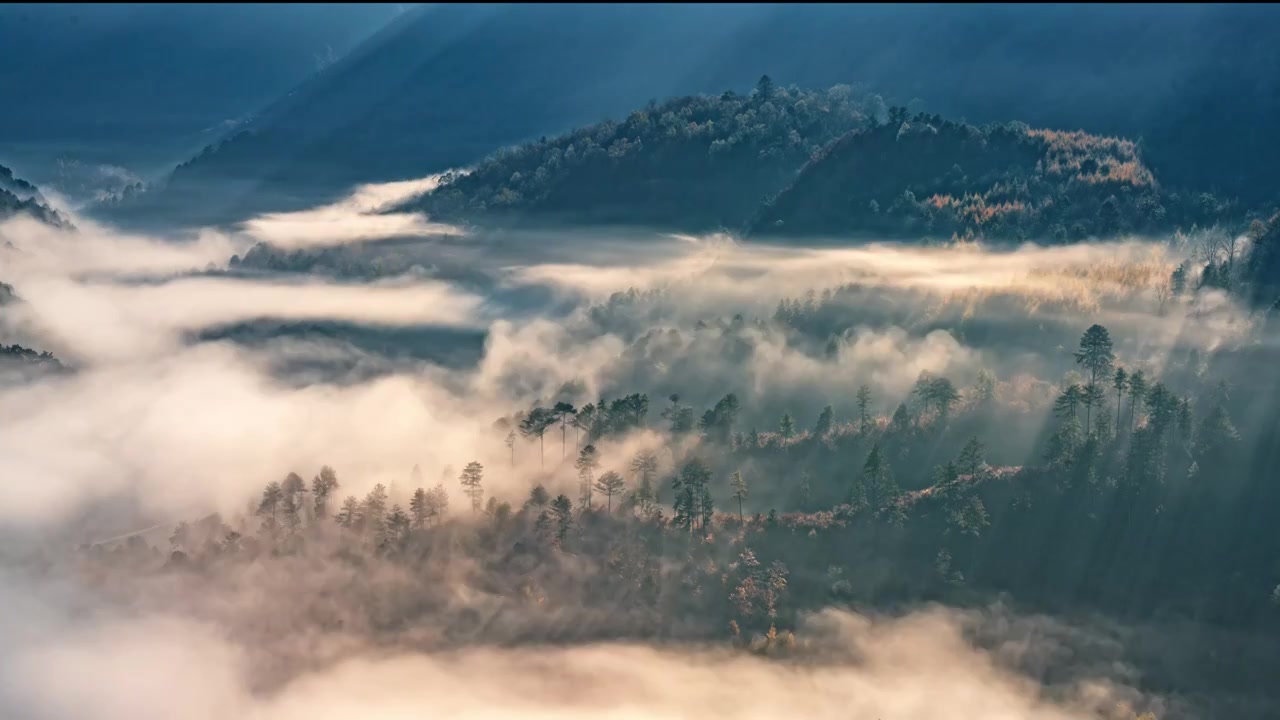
x: 359, y: 217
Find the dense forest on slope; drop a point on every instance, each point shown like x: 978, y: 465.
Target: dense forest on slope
x: 690, y: 163
x: 1142, y: 504
x: 928, y: 176
x: 777, y: 162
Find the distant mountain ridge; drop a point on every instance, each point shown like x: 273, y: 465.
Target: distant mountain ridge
x: 19, y: 196
x: 140, y: 85
x: 691, y: 163
x: 792, y: 162
x: 443, y: 86
x: 928, y: 176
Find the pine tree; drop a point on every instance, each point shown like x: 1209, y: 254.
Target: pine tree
x: 418, y: 508
x: 786, y: 427
x: 535, y: 424
x: 864, y: 414
x: 349, y: 516
x: 985, y: 388
x: 901, y: 421
x: 1216, y: 439
x: 645, y: 466
x: 1068, y: 402
x: 878, y: 480
x: 438, y: 502
x: 291, y: 503
x: 1137, y: 394
x: 587, y: 462
x: 944, y: 395
x: 692, y: 503
x: 271, y: 498
x: 971, y: 458
x: 373, y: 510
x: 542, y: 526
x: 538, y: 498
x: 1119, y: 381
x: 563, y: 412
x: 610, y: 483
x: 1093, y: 397
x: 1096, y: 355
x: 562, y: 507
x: 396, y: 527
x: 322, y: 487
x: 739, y: 486
x: 680, y: 417
x: 825, y: 422
x: 472, y: 478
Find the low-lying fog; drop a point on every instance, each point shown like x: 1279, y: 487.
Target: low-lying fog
x: 176, y: 402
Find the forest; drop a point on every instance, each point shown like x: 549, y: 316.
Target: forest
x: 763, y: 523
x: 691, y: 163
x: 786, y: 162
x: 645, y: 517
x: 872, y: 411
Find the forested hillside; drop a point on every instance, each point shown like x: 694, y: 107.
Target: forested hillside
x: 728, y: 532
x: 794, y: 163
x: 690, y: 163
x: 928, y: 176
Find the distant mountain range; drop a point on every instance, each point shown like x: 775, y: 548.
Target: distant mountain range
x: 20, y: 196
x: 443, y: 86
x: 793, y: 162
x: 136, y: 87
x: 691, y: 163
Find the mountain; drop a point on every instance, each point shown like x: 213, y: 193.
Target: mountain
x: 927, y: 176
x: 692, y: 163
x: 19, y: 196
x: 139, y: 86
x: 791, y: 162
x: 443, y: 86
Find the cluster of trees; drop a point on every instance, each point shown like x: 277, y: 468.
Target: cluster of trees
x: 789, y: 161
x: 690, y: 162
x: 926, y: 176
x: 1126, y: 454
x: 1143, y: 497
x: 590, y: 423
x: 1242, y: 262
x: 344, y: 262
x: 25, y: 355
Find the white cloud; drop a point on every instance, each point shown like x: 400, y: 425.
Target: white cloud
x: 359, y: 217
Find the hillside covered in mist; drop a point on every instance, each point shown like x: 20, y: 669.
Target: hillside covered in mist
x: 896, y: 362
x: 17, y: 196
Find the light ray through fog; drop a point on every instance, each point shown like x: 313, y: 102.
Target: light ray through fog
x: 185, y: 427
